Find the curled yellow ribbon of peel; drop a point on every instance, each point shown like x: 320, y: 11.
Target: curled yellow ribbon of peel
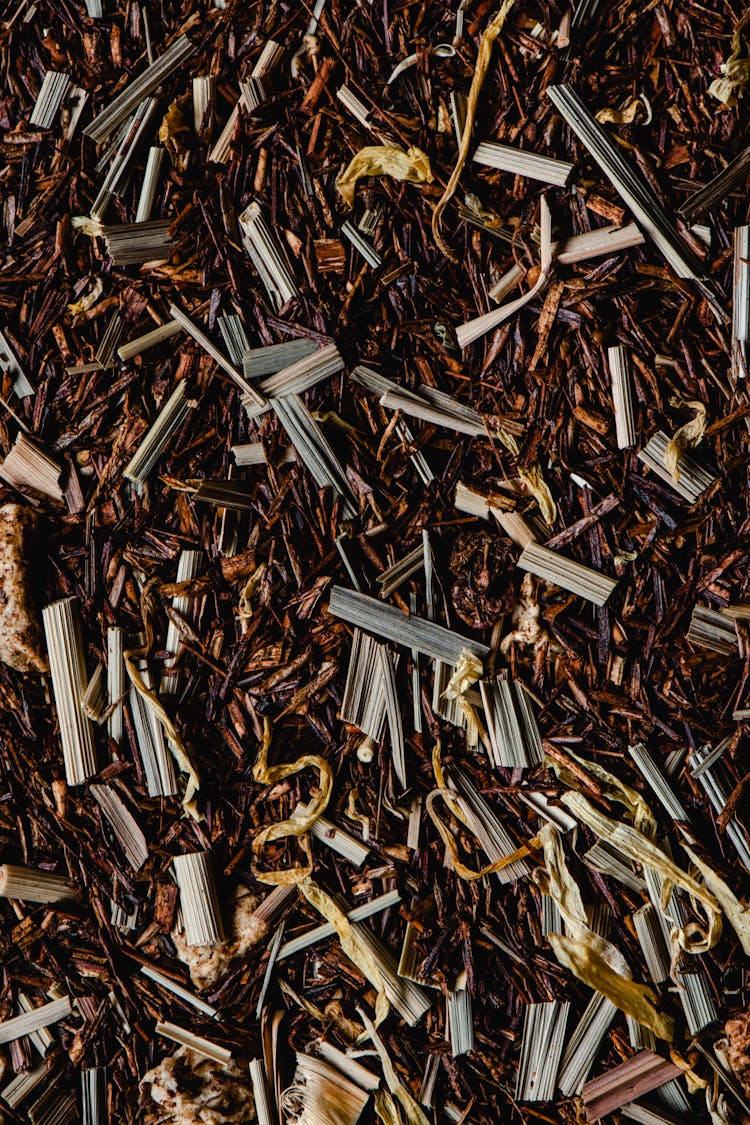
x: 297, y: 826
x: 490, y: 34
x: 588, y: 955
x: 449, y: 840
x: 638, y: 848
x: 411, y: 1108
x: 612, y: 788
x: 154, y: 704
x: 350, y: 941
x: 737, y: 914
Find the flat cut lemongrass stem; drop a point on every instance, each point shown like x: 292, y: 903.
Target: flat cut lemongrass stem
x: 151, y: 175
x: 51, y: 96
x: 361, y: 245
x: 149, y: 340
x: 717, y: 189
x: 28, y: 466
x: 268, y: 256
x: 260, y: 1093
x: 741, y: 302
x: 566, y: 573
x: 320, y: 933
x: 177, y: 990
x: 195, y: 1043
x: 94, y: 699
x: 146, y: 83
x: 218, y: 357
x: 378, y: 617
x: 393, y: 400
x: 123, y: 823
x: 201, y: 913
x: 62, y: 630
x: 204, y: 98
x: 694, y: 479
x: 712, y: 630
x: 116, y: 681
x: 622, y: 395
x: 582, y: 1047
x: 298, y: 377
x: 636, y: 193
x: 542, y: 1045
x: 169, y: 419
x: 656, y: 780
x: 29, y: 884
x: 25, y: 1024
x: 188, y: 567
x: 596, y: 243
x: 94, y: 1095
x: 521, y: 163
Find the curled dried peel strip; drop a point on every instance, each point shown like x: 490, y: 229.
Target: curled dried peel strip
x: 154, y: 704
x: 634, y: 845
x: 448, y: 839
x: 384, y: 160
x: 687, y: 437
x: 412, y: 1110
x: 350, y: 941
x: 484, y: 55
x: 589, y: 956
x: 298, y: 826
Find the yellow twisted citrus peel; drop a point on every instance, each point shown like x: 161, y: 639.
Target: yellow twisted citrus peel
x: 590, y: 957
x: 297, y: 826
x: 491, y: 32
x: 637, y: 843
x: 350, y: 941
x: 453, y: 802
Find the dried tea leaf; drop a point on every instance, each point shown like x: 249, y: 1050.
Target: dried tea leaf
x: 688, y: 436
x: 539, y: 489
x: 384, y: 160
x: 590, y: 967
x: 736, y: 70
x: 351, y: 943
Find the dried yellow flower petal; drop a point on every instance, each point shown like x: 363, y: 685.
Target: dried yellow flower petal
x: 384, y: 160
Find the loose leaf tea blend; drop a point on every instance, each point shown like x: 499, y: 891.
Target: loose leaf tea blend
x: 374, y: 654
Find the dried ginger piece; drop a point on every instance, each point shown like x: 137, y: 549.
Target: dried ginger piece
x: 193, y: 1090
x: 208, y: 963
x: 737, y: 1031
x: 20, y: 629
